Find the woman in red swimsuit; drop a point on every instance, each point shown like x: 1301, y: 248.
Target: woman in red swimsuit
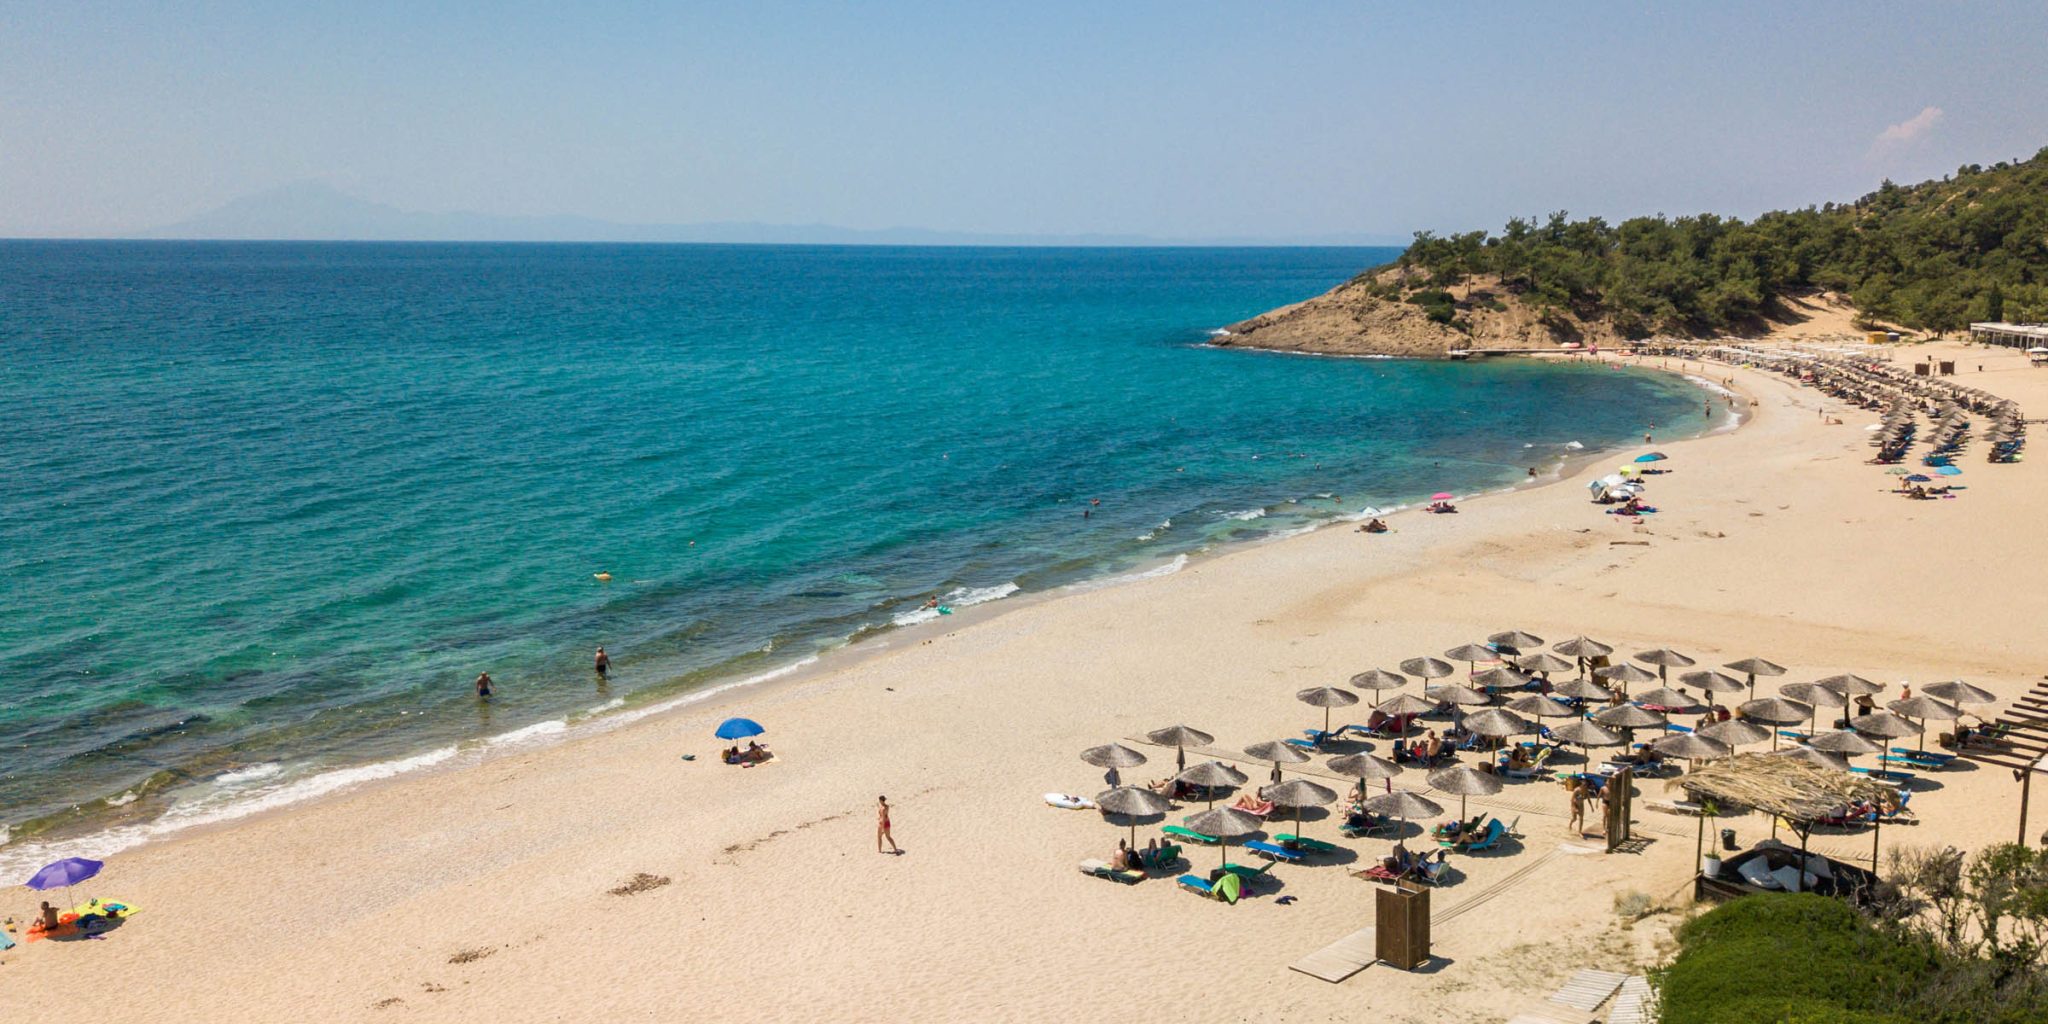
x: 882, y: 826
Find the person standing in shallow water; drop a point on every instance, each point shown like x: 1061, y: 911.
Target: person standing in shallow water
x: 604, y: 662
x: 882, y: 826
x: 483, y: 684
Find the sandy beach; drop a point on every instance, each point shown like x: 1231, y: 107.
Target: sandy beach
x: 504, y: 891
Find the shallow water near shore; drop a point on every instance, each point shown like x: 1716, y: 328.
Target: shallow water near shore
x: 271, y: 507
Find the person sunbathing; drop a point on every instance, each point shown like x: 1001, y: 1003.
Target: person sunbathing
x: 1358, y: 817
x: 754, y: 754
x: 1253, y: 805
x: 1374, y: 526
x: 1400, y: 861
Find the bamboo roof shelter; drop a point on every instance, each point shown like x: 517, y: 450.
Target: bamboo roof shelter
x: 1789, y: 789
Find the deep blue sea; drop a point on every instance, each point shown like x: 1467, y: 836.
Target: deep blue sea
x: 269, y: 508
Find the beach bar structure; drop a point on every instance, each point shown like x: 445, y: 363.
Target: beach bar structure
x: 2020, y: 336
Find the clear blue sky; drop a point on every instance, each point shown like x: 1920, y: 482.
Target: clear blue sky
x: 1166, y: 119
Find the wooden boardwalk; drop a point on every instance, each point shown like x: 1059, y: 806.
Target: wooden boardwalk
x: 1340, y: 959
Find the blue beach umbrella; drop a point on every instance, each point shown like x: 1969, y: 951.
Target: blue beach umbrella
x: 1949, y: 470
x: 738, y: 729
x: 1652, y: 457
x: 65, y: 873
x: 1919, y: 478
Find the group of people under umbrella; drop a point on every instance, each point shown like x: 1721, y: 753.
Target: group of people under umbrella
x: 1593, y: 709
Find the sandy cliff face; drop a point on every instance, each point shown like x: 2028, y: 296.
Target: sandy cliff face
x: 1351, y: 320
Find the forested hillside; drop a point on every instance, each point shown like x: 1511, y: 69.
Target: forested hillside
x: 1932, y: 256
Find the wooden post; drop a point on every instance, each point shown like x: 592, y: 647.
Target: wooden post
x: 2026, y: 782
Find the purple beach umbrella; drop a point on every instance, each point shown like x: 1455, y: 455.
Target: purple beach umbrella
x: 64, y: 873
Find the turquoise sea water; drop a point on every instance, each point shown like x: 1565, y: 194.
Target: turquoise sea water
x: 269, y: 508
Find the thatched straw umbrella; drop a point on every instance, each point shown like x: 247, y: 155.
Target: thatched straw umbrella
x: 1378, y: 679
x: 1404, y: 805
x: 1850, y: 686
x: 1211, y: 776
x: 1225, y: 823
x: 1501, y: 677
x: 1775, y: 711
x: 1843, y: 742
x: 1735, y: 732
x: 1132, y: 802
x: 1465, y: 782
x: 1544, y: 663
x: 1664, y: 658
x: 1625, y: 674
x: 1404, y: 706
x: 1363, y: 767
x: 1498, y: 723
x: 1471, y: 655
x: 1754, y: 667
x: 1666, y: 697
x: 1816, y: 757
x: 1781, y: 787
x: 1516, y: 639
x: 1714, y: 682
x: 1326, y: 697
x: 1180, y: 738
x: 1458, y: 697
x: 1691, y: 746
x: 1959, y: 693
x: 1587, y: 734
x: 1923, y: 708
x: 1276, y: 751
x: 1583, y: 689
x: 1816, y: 695
x: 1882, y: 724
x: 1428, y: 668
x: 1112, y: 755
x: 1582, y: 648
x: 1536, y: 705
x: 1629, y: 718
x: 1300, y: 793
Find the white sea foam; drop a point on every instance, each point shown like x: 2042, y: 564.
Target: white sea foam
x: 1179, y: 562
x: 536, y: 731
x: 122, y: 800
x: 211, y: 807
x: 610, y: 722
x: 1153, y: 533
x: 958, y: 597
x: 1574, y: 445
x: 253, y: 773
x: 1245, y: 516
x: 611, y: 705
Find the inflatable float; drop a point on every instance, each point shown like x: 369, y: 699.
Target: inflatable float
x: 1072, y: 803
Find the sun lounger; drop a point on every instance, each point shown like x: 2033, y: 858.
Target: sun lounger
x: 1272, y: 852
x: 1494, y: 831
x: 1163, y: 857
x: 1295, y: 842
x: 1101, y: 869
x: 1885, y: 775
x: 1189, y: 834
x: 1924, y: 755
x: 1247, y: 873
x: 1227, y: 888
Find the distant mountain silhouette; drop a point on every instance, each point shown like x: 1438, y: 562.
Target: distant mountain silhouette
x: 313, y: 211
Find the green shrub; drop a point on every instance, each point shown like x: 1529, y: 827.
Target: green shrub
x: 1774, y: 958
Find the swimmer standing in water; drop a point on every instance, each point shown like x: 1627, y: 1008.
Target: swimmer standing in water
x: 483, y: 685
x: 604, y: 662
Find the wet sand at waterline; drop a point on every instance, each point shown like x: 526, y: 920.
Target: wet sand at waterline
x: 486, y: 893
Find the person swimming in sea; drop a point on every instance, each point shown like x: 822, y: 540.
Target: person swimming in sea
x: 483, y: 685
x: 604, y: 661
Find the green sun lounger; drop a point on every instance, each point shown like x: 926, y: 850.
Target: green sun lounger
x: 1305, y: 845
x: 1189, y: 834
x: 1246, y: 872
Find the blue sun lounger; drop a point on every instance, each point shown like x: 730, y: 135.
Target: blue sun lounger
x: 1273, y: 852
x: 1227, y: 888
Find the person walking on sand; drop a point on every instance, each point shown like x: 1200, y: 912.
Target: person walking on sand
x: 483, y: 685
x: 1577, y: 791
x: 604, y: 662
x: 882, y: 826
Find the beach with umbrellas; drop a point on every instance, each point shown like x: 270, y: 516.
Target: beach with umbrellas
x: 1280, y: 732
